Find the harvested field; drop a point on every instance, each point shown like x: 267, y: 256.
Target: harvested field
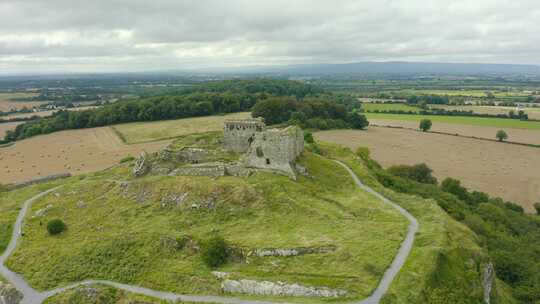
x: 75, y: 151
x: 527, y: 136
x: 503, y: 170
x: 139, y: 132
x: 8, y: 103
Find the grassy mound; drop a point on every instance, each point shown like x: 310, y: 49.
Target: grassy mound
x: 149, y: 231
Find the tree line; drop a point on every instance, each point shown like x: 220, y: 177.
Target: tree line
x: 212, y: 98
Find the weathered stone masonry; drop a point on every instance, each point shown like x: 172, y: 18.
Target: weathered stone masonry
x: 274, y: 149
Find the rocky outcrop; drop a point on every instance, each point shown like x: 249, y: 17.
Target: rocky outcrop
x: 9, y: 295
x: 286, y: 252
x: 279, y: 289
x: 141, y: 165
x: 487, y: 282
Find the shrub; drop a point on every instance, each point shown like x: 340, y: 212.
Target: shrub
x: 56, y: 226
x: 127, y: 159
x: 308, y: 137
x: 425, y: 125
x: 501, y: 135
x: 215, y: 252
x: 357, y: 121
x: 537, y: 207
x: 420, y: 173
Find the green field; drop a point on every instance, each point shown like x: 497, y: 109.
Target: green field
x: 139, y: 132
x: 476, y: 121
x: 389, y: 107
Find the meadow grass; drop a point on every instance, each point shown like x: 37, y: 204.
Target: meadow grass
x: 389, y: 107
x: 122, y: 232
x: 139, y: 132
x: 463, y: 120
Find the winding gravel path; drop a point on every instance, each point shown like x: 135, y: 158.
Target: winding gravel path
x: 32, y: 296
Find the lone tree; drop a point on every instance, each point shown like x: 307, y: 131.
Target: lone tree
x: 56, y: 227
x: 425, y: 125
x: 501, y: 135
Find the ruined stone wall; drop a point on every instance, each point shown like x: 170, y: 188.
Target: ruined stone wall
x: 237, y: 134
x: 276, y: 150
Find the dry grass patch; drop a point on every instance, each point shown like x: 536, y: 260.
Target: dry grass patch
x: 139, y: 132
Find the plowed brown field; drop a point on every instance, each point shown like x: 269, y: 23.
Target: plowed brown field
x: 504, y: 170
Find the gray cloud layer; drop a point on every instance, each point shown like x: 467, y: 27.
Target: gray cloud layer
x: 116, y: 35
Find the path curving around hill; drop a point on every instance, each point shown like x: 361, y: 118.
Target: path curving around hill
x: 32, y: 296
x: 404, y: 250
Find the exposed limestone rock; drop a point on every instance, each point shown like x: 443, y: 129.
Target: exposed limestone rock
x: 173, y: 199
x: 41, y: 212
x: 487, y: 282
x: 237, y: 170
x: 81, y: 204
x: 141, y: 166
x: 285, y: 252
x: 302, y: 170
x: 279, y: 289
x: 220, y: 275
x: 9, y: 295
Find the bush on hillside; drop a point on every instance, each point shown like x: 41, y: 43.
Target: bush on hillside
x: 215, y: 252
x: 419, y: 172
x: 308, y: 137
x: 56, y: 226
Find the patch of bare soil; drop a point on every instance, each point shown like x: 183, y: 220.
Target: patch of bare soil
x: 504, y: 170
x: 75, y: 151
x: 517, y: 135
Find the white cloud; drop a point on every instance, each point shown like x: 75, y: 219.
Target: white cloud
x: 141, y: 34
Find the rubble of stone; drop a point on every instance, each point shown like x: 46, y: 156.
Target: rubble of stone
x: 265, y: 288
x: 9, y: 295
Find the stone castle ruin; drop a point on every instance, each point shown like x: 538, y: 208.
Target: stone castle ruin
x: 274, y: 149
x: 252, y: 145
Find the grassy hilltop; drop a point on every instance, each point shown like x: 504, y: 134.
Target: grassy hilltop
x: 136, y: 231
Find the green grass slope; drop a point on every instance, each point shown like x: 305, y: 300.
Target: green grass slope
x: 130, y: 230
x: 447, y: 261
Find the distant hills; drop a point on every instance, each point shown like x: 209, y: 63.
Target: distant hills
x: 398, y: 68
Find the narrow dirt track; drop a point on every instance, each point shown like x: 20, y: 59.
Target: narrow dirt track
x: 32, y: 296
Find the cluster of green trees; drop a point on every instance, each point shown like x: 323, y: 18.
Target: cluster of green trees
x: 511, y: 237
x: 309, y: 113
x: 207, y: 99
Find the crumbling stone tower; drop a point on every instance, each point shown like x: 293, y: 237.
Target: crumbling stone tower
x: 275, y: 149
x: 239, y: 134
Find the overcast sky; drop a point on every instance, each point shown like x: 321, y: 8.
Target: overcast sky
x: 138, y: 35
